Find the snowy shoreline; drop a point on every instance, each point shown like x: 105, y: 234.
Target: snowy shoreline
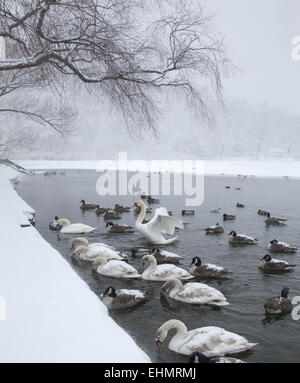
x: 51, y: 314
x: 264, y: 168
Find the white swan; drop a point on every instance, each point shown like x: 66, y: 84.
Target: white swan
x: 160, y: 224
x: 114, y: 268
x: 85, y: 242
x: 162, y: 272
x: 195, y: 293
x: 75, y: 228
x: 211, y: 341
x: 86, y: 254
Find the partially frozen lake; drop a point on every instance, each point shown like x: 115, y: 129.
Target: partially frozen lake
x: 246, y: 289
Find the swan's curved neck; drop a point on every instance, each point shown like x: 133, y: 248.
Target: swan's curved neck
x: 65, y: 221
x: 141, y: 215
x: 81, y: 249
x: 152, y: 263
x: 178, y: 325
x: 82, y: 240
x: 99, y: 261
x: 176, y: 285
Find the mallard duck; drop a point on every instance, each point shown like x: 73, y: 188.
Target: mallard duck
x: 114, y: 268
x: 279, y: 305
x: 207, y: 270
x: 271, y: 264
x: 163, y: 272
x: 121, y: 209
x: 100, y: 210
x: 198, y: 357
x: 240, y: 239
x: 211, y: 341
x: 217, y: 229
x: 112, y: 228
x: 121, y: 299
x: 87, y: 206
x: 187, y: 212
x: 152, y: 200
x: 281, y: 247
x: 193, y: 293
x: 240, y: 205
x: 111, y: 214
x: 75, y: 228
x: 262, y: 212
x: 274, y: 220
x: 228, y: 217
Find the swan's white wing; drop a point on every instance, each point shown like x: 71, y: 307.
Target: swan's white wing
x: 163, y: 223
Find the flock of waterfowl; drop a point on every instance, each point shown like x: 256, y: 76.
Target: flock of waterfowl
x: 202, y: 345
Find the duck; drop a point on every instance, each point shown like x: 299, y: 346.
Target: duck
x: 163, y: 272
x: 193, y: 292
x: 122, y: 298
x: 262, y: 212
x: 198, y: 357
x: 160, y: 224
x: 271, y: 264
x: 75, y: 228
x: 85, y: 242
x: 240, y: 239
x: 114, y: 268
x: 87, y: 206
x: 240, y: 205
x: 215, y: 210
x: 217, y: 229
x: 211, y: 341
x: 279, y: 305
x: 187, y: 212
x: 281, y: 247
x: 228, y: 217
x: 112, y: 228
x: 100, y: 210
x: 111, y: 214
x: 274, y: 220
x: 152, y: 200
x: 207, y: 270
x: 91, y: 254
x: 121, y: 209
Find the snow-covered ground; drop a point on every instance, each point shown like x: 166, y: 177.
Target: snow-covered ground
x: 264, y: 168
x: 51, y: 314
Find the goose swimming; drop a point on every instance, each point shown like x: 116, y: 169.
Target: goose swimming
x: 281, y: 247
x: 240, y: 239
x: 207, y: 270
x: 113, y: 228
x: 279, y: 305
x: 87, y: 206
x: 217, y: 229
x: 121, y: 299
x: 271, y: 264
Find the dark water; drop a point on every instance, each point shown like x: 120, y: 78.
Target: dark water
x: 246, y: 290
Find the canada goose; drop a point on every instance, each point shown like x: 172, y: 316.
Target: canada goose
x: 163, y: 256
x: 114, y: 268
x: 240, y: 205
x: 100, y: 210
x: 206, y: 270
x: 217, y: 229
x: 163, y: 272
x: 112, y: 228
x: 271, y: 264
x: 85, y: 242
x: 121, y: 299
x: 188, y: 212
x: 140, y: 252
x: 152, y: 200
x: 91, y: 254
x: 228, y: 217
x: 274, y: 220
x: 211, y: 341
x: 240, y: 239
x: 215, y: 210
x: 54, y: 226
x: 143, y: 196
x: 193, y: 293
x: 279, y: 305
x: 198, y: 357
x: 121, y: 209
x: 87, y: 206
x: 281, y: 247
x: 111, y: 214
x: 262, y: 212
x: 160, y: 223
x: 75, y: 228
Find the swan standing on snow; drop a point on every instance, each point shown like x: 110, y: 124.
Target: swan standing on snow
x: 86, y: 254
x: 211, y: 341
x: 194, y: 293
x: 74, y: 228
x: 160, y: 224
x: 162, y: 272
x: 114, y: 268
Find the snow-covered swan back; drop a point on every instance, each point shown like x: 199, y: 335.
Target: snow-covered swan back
x: 75, y: 228
x: 160, y: 224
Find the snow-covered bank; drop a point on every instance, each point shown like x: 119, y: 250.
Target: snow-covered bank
x: 51, y: 314
x: 266, y: 168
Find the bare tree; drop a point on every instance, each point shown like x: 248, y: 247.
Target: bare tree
x: 128, y: 51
